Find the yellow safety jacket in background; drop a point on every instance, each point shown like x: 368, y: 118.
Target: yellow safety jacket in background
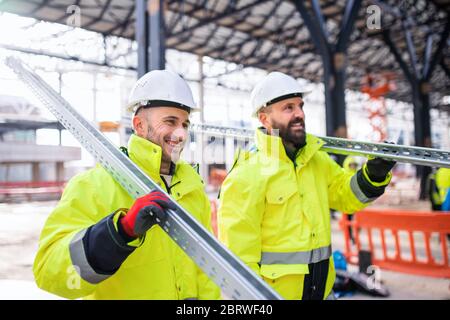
x: 275, y: 215
x: 346, y: 164
x: 156, y: 269
x: 443, y: 183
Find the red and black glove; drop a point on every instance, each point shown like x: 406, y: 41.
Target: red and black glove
x: 145, y: 212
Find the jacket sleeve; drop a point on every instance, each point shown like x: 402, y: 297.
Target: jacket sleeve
x: 239, y: 218
x: 80, y: 245
x: 207, y: 289
x: 349, y: 192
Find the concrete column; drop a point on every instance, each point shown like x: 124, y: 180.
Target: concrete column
x: 59, y: 171
x: 35, y: 174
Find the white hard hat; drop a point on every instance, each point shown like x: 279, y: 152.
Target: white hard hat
x: 161, y: 88
x: 276, y: 86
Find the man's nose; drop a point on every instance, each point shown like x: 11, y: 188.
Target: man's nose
x: 298, y: 113
x: 179, y: 134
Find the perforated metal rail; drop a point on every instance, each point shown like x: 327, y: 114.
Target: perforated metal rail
x: 415, y: 155
x: 235, y: 279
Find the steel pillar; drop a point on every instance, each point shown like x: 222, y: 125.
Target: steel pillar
x: 157, y: 35
x: 150, y: 34
x: 334, y: 57
x: 420, y: 87
x: 142, y: 37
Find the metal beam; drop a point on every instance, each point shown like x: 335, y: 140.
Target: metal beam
x: 264, y: 61
x: 45, y: 3
x: 100, y: 17
x: 421, y: 101
x: 321, y: 42
x: 122, y: 26
x: 187, y: 36
x: 319, y: 20
x: 340, y: 64
x: 252, y: 37
x: 208, y: 38
x: 303, y: 46
x: 334, y: 59
x: 274, y: 36
x: 427, y: 55
x: 67, y: 58
x: 439, y: 51
x: 348, y: 22
x: 157, y: 35
x: 260, y: 38
x: 225, y: 14
x: 411, y: 48
x: 317, y: 37
x: 387, y: 39
x: 142, y: 37
x: 445, y: 68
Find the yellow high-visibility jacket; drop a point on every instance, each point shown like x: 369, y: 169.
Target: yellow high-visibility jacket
x: 443, y: 183
x: 156, y: 268
x: 346, y: 165
x: 275, y: 216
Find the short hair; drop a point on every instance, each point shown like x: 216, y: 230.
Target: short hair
x: 266, y: 109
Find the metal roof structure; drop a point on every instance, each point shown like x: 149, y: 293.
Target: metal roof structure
x: 272, y: 34
x: 17, y: 113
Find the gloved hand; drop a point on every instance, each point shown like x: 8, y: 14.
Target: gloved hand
x: 145, y: 212
x: 378, y: 169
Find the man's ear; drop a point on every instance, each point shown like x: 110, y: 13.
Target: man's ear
x: 264, y: 119
x: 139, y: 125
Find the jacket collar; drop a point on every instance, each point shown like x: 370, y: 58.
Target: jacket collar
x: 272, y: 146
x: 145, y: 154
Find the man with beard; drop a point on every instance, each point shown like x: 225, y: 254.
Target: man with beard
x: 275, y: 202
x: 93, y: 247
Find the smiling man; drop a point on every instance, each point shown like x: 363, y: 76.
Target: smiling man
x: 274, y: 204
x: 93, y: 247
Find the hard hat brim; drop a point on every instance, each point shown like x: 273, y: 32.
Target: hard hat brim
x: 281, y: 98
x: 133, y: 108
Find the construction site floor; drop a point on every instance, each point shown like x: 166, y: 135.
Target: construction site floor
x: 21, y: 224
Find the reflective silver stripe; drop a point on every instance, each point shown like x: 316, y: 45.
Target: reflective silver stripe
x: 80, y: 262
x: 356, y: 189
x: 297, y: 257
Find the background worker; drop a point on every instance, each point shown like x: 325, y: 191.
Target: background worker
x: 350, y: 165
x: 443, y: 183
x: 438, y: 186
x: 274, y: 204
x: 93, y: 247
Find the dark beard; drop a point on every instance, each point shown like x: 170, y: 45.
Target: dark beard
x: 295, y: 138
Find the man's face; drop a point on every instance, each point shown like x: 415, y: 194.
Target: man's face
x: 164, y: 126
x: 288, y: 117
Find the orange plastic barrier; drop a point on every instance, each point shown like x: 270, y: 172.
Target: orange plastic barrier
x: 405, y: 241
